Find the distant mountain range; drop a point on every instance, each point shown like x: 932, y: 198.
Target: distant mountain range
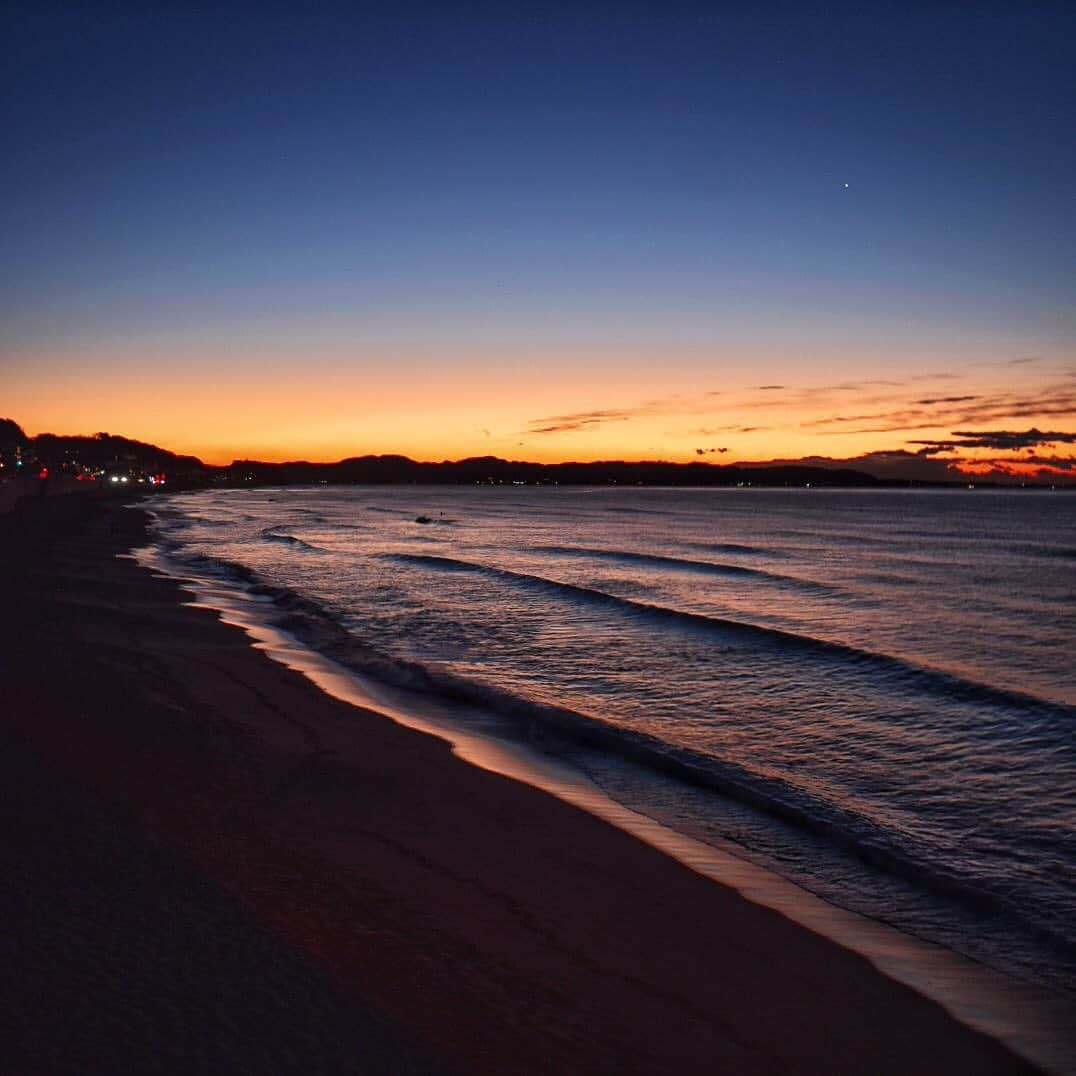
x: 111, y: 454
x: 493, y: 470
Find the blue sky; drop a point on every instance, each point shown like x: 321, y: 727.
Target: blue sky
x: 603, y: 194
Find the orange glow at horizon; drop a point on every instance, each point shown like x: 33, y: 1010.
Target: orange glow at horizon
x: 548, y: 410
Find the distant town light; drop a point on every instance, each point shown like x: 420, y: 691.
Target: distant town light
x: 115, y: 478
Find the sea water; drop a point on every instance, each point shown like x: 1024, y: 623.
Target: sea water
x: 870, y: 693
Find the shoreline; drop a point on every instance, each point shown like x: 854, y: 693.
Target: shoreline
x: 1037, y: 1023
x: 489, y: 924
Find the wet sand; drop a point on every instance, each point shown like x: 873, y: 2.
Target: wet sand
x: 213, y: 866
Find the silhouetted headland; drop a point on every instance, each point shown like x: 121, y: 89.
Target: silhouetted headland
x: 112, y: 458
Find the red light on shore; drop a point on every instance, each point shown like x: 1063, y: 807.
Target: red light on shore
x: 43, y: 473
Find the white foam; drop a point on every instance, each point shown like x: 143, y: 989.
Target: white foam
x: 1035, y: 1023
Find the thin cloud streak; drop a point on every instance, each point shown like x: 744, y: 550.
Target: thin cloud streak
x: 1058, y: 399
x: 584, y: 419
x: 880, y: 406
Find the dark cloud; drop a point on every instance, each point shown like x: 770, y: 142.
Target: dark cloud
x: 896, y: 464
x: 1044, y: 465
x: 1011, y: 439
x: 1057, y: 463
x: 948, y: 399
x: 923, y: 466
x: 1005, y: 440
x: 708, y: 451
x: 768, y: 388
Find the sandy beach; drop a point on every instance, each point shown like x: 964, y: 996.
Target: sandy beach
x: 213, y: 866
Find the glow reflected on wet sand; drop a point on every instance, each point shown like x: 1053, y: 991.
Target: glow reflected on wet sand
x: 1035, y: 1023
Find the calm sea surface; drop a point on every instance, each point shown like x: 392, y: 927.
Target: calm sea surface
x: 871, y: 693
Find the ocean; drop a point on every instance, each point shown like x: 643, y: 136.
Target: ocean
x: 870, y: 694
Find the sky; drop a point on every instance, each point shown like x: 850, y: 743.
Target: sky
x: 572, y: 232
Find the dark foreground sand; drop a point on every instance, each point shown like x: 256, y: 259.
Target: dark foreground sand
x: 209, y: 866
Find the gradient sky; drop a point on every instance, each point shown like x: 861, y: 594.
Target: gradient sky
x: 731, y: 232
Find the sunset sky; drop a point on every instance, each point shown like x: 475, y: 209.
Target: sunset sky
x: 725, y: 232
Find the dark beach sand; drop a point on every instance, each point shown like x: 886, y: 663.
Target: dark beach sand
x: 210, y: 866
